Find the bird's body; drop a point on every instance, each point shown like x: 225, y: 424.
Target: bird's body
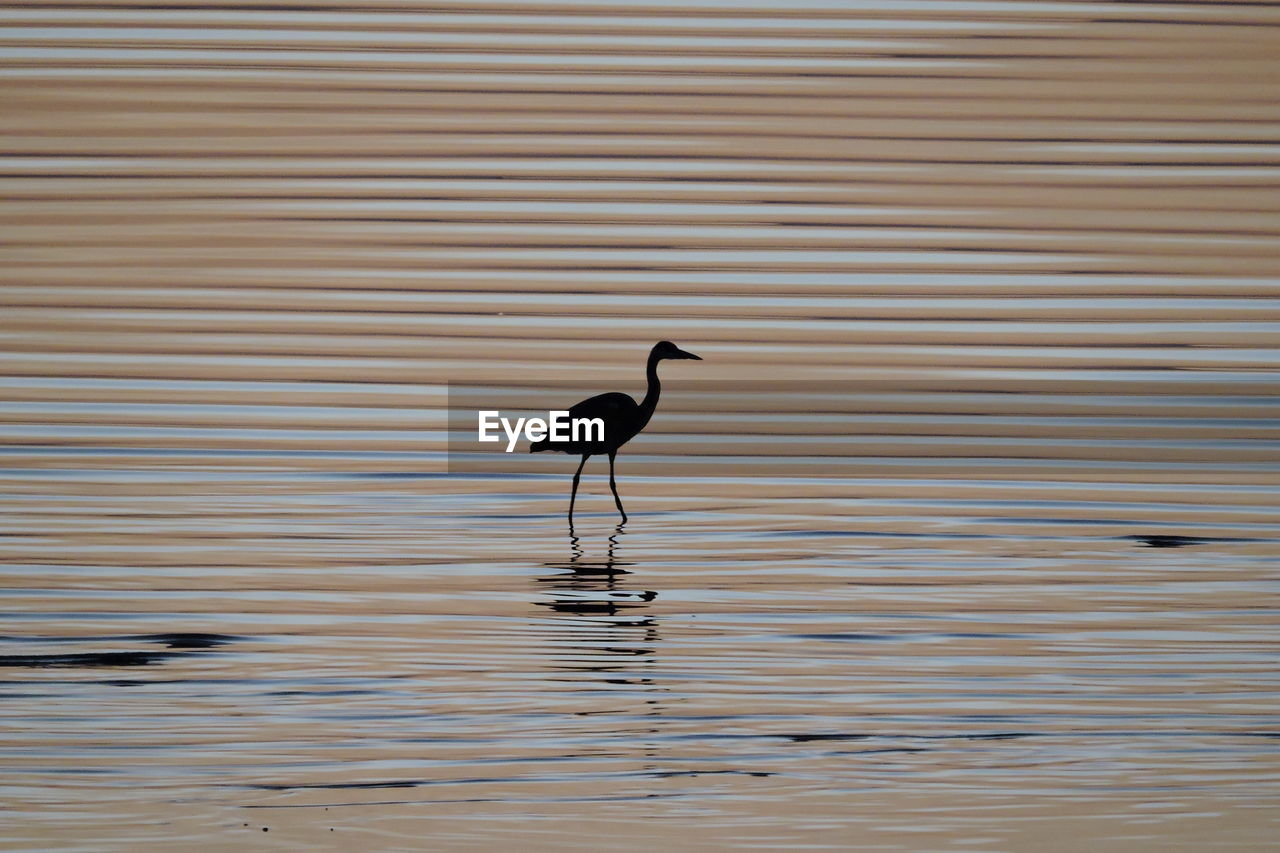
x: 620, y: 412
x: 623, y: 419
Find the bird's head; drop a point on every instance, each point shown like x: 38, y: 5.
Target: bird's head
x: 666, y: 349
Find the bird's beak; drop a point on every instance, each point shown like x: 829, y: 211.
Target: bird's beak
x: 682, y: 354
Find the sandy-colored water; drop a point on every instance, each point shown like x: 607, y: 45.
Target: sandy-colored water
x: 963, y: 536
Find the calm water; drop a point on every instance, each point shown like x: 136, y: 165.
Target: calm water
x: 963, y: 536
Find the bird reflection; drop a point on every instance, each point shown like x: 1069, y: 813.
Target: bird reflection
x: 606, y: 627
x: 597, y: 588
x: 603, y: 639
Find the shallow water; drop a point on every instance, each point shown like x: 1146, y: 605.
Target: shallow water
x: 963, y: 536
x: 901, y: 664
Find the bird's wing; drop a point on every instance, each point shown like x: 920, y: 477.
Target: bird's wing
x: 605, y: 406
x: 615, y: 409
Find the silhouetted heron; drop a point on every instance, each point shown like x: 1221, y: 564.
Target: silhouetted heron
x: 623, y: 418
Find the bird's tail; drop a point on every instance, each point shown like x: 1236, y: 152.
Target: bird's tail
x: 539, y: 445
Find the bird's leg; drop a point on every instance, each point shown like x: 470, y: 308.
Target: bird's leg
x: 614, y: 486
x: 574, y: 496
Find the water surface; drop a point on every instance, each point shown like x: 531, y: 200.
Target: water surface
x: 963, y: 536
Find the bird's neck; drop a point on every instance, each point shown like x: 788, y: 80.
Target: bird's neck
x: 650, y: 401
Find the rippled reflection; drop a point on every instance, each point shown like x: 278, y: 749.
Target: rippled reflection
x: 605, y: 623
x: 604, y: 638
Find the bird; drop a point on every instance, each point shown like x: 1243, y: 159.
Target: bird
x: 623, y: 419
